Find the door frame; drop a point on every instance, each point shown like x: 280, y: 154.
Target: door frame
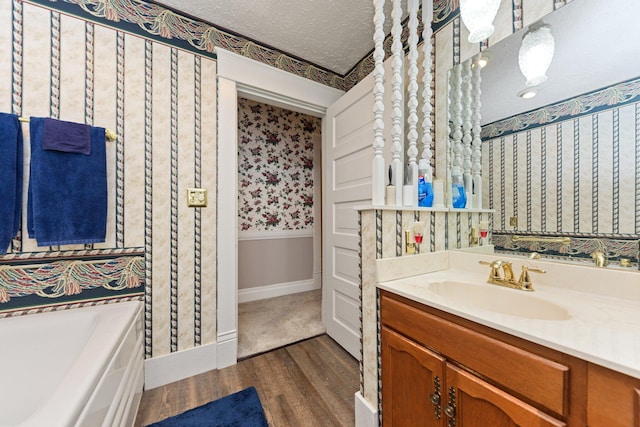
x: 240, y: 76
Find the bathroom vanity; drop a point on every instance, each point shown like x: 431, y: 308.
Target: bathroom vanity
x: 456, y: 351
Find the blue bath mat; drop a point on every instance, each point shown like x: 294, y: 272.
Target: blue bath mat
x: 241, y: 409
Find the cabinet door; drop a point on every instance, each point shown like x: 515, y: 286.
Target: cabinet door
x: 472, y: 402
x: 613, y: 399
x: 412, y: 383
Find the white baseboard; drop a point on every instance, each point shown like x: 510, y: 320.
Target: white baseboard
x: 271, y: 235
x: 366, y: 415
x: 278, y: 290
x: 179, y: 365
x: 227, y: 349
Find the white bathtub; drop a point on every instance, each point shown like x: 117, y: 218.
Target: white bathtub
x: 77, y: 367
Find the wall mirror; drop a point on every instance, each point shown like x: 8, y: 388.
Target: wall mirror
x: 565, y: 162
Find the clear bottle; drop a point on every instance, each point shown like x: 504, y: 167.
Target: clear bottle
x: 458, y: 195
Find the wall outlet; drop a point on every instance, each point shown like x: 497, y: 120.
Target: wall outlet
x: 513, y: 221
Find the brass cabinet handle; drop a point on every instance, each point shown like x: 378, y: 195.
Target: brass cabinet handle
x: 450, y: 411
x: 435, y: 398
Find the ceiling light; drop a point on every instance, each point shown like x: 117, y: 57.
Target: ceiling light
x: 481, y: 61
x: 527, y: 93
x: 477, y: 16
x: 536, y: 53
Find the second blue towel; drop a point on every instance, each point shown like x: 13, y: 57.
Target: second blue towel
x: 67, y: 192
x: 10, y: 178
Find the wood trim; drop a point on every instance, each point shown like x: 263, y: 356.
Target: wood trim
x: 227, y: 213
x: 259, y: 81
x: 239, y: 75
x: 366, y: 415
x: 636, y: 405
x: 276, y: 234
x: 277, y: 290
x: 180, y: 365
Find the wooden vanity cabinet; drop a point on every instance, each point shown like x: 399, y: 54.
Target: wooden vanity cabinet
x: 434, y: 363
x: 613, y: 399
x: 411, y: 378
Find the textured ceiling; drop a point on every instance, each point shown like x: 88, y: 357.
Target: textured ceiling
x: 334, y: 34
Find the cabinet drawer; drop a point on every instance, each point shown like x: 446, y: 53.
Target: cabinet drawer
x: 529, y: 375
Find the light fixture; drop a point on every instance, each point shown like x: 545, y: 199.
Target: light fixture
x: 536, y: 53
x: 527, y: 93
x: 481, y: 61
x: 478, y: 16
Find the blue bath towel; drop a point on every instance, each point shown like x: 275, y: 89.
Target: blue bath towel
x: 67, y: 201
x: 68, y: 137
x: 11, y: 168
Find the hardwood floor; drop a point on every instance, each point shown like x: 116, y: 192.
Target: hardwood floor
x: 311, y: 383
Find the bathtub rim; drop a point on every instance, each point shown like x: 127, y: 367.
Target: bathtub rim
x: 115, y: 320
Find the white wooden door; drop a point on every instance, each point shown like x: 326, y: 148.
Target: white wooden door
x: 347, y: 154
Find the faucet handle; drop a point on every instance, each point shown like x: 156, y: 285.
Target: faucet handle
x: 494, y: 264
x: 525, y: 279
x: 495, y: 269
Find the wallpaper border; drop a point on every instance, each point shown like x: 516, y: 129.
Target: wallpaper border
x: 444, y: 11
x: 580, y: 246
x: 139, y: 18
x: 161, y: 24
x: 26, y: 284
x: 612, y: 96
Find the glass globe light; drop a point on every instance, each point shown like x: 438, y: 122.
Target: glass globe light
x: 536, y: 53
x: 477, y: 16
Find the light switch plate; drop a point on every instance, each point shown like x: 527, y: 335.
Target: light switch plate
x: 513, y: 221
x: 197, y: 197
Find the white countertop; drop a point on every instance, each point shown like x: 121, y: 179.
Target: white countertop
x: 603, y: 322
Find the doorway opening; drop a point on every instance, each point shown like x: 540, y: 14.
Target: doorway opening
x: 279, y: 226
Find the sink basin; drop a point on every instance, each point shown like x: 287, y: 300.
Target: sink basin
x: 499, y: 300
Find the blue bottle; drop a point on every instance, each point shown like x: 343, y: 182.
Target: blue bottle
x: 425, y: 188
x: 458, y: 195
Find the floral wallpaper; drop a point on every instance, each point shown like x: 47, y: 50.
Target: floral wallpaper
x: 275, y: 166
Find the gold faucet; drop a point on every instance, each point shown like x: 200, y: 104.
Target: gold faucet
x: 600, y: 255
x: 474, y: 237
x: 525, y: 280
x: 409, y: 246
x: 599, y: 258
x: 506, y: 277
